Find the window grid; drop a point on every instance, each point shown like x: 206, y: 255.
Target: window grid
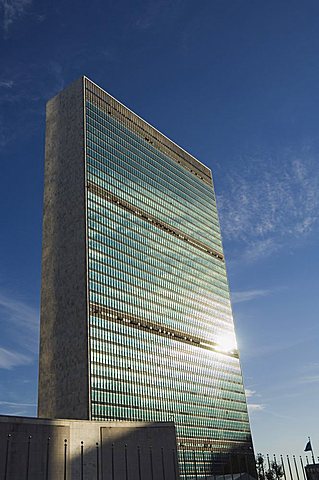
x: 137, y: 269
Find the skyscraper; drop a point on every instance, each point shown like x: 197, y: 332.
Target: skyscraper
x: 136, y: 320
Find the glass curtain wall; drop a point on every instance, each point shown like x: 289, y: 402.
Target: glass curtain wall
x: 162, y: 340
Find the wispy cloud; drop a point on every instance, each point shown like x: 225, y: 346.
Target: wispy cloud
x: 41, y: 17
x: 10, y: 359
x: 153, y: 10
x: 282, y: 343
x: 309, y: 374
x: 19, y: 85
x: 310, y: 379
x: 23, y: 318
x: 255, y: 407
x: 270, y: 202
x: 6, y: 83
x: 16, y: 404
x: 56, y: 70
x: 5, y: 135
x: 11, y: 11
x: 249, y: 393
x: 22, y: 98
x: 17, y: 408
x: 246, y: 296
x: 260, y: 248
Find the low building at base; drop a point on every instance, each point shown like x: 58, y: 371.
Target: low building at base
x: 312, y: 471
x: 41, y: 449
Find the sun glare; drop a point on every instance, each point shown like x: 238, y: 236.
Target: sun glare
x: 226, y: 342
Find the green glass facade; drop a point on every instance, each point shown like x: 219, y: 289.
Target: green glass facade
x: 162, y: 344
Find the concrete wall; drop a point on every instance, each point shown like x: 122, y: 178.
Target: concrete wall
x: 63, y: 368
x: 53, y: 450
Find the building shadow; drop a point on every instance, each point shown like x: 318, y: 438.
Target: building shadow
x: 37, y: 449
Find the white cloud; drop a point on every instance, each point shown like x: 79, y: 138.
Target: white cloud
x: 6, y: 83
x: 12, y: 9
x: 22, y: 98
x: 257, y: 249
x: 249, y: 393
x: 255, y: 407
x: 17, y: 408
x: 56, y: 72
x: 309, y: 373
x: 150, y: 12
x: 153, y: 11
x: 5, y: 136
x: 10, y: 359
x: 310, y: 379
x: 15, y: 404
x: 23, y: 318
x: 41, y: 18
x: 18, y: 85
x: 270, y: 202
x: 281, y: 344
x: 246, y: 296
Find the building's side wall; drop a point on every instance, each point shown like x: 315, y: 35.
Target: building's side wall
x: 63, y: 369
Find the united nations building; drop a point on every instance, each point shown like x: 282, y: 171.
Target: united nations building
x: 136, y: 318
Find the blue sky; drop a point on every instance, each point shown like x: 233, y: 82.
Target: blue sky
x: 236, y: 83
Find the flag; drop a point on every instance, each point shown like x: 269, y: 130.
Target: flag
x: 308, y: 447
